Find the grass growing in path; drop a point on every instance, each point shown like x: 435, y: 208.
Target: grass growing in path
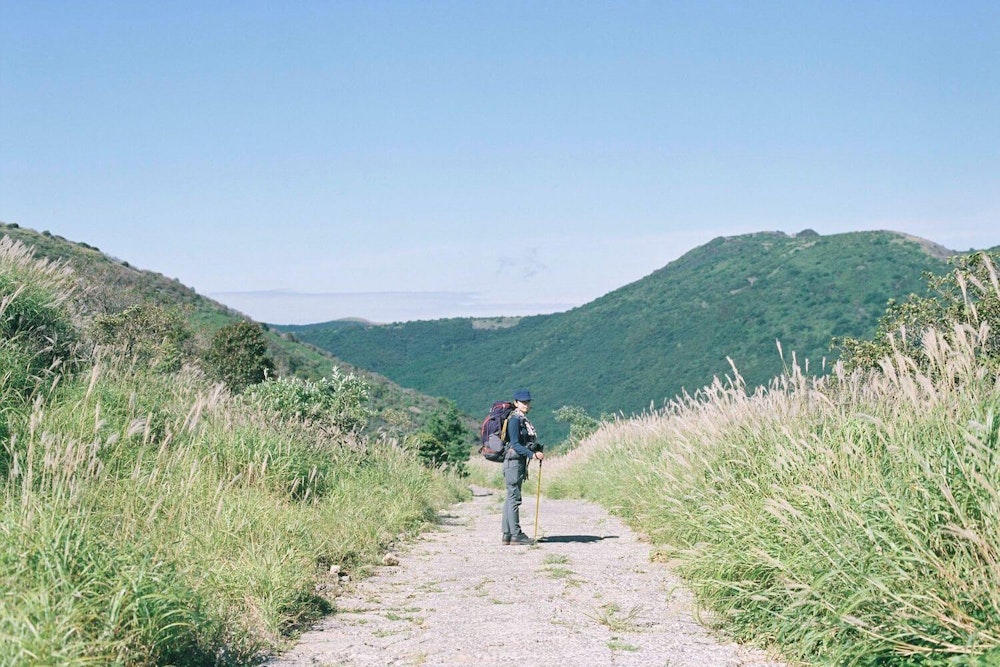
x: 613, y: 617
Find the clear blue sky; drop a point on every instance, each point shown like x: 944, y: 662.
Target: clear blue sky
x: 306, y: 161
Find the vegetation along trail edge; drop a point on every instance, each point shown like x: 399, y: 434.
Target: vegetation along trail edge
x: 585, y: 594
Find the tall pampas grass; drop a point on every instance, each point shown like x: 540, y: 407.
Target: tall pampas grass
x: 150, y: 518
x: 847, y: 519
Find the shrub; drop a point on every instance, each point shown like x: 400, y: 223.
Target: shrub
x: 580, y: 423
x: 335, y: 403
x: 431, y: 451
x: 148, y: 333
x: 445, y: 439
x: 198, y: 542
x: 969, y: 293
x: 238, y: 355
x: 147, y: 517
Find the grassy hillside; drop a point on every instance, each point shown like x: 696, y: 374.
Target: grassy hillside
x: 106, y: 285
x: 667, y: 333
x: 846, y: 520
x: 150, y: 516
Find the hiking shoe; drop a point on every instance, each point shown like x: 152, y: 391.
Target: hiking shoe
x: 521, y: 538
x: 506, y: 540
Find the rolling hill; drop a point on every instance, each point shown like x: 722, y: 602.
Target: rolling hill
x: 665, y: 334
x: 107, y: 285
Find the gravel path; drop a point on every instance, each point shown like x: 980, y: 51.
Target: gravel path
x: 586, y: 594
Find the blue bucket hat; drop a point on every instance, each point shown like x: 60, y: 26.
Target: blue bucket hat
x: 522, y: 395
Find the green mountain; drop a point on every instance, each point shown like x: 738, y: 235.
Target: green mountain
x: 106, y: 285
x: 665, y: 334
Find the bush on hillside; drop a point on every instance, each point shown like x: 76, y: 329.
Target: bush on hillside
x: 150, y: 518
x: 445, y: 440
x: 148, y: 333
x: 238, y: 355
x: 580, y: 423
x: 969, y: 293
x: 336, y: 403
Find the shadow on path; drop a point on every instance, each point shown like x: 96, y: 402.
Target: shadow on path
x: 577, y: 538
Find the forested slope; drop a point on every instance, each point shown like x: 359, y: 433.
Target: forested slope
x: 669, y: 332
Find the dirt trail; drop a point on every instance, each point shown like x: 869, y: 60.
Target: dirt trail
x: 586, y: 594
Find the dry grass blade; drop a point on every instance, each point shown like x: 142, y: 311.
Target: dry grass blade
x: 612, y: 617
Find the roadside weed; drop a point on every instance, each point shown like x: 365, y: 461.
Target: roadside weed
x: 612, y: 616
x: 618, y: 645
x: 558, y: 572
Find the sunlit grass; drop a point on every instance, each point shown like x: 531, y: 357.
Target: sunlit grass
x: 849, y: 520
x: 188, y: 533
x: 150, y: 518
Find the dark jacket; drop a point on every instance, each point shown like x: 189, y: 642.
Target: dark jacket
x: 519, y: 433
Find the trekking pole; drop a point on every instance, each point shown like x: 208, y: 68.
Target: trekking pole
x: 538, y: 497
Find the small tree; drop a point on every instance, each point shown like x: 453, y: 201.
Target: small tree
x: 969, y: 293
x: 580, y: 423
x: 238, y: 355
x: 445, y: 439
x: 431, y: 450
x: 146, y: 332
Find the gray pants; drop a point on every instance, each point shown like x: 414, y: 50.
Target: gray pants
x: 515, y: 471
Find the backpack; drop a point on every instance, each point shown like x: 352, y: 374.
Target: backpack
x: 493, y: 436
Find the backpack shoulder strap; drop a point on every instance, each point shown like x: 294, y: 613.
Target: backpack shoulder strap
x: 506, y: 425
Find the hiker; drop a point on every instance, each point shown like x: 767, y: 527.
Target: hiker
x: 523, y: 447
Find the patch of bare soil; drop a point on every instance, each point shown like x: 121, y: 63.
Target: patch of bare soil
x: 586, y: 594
